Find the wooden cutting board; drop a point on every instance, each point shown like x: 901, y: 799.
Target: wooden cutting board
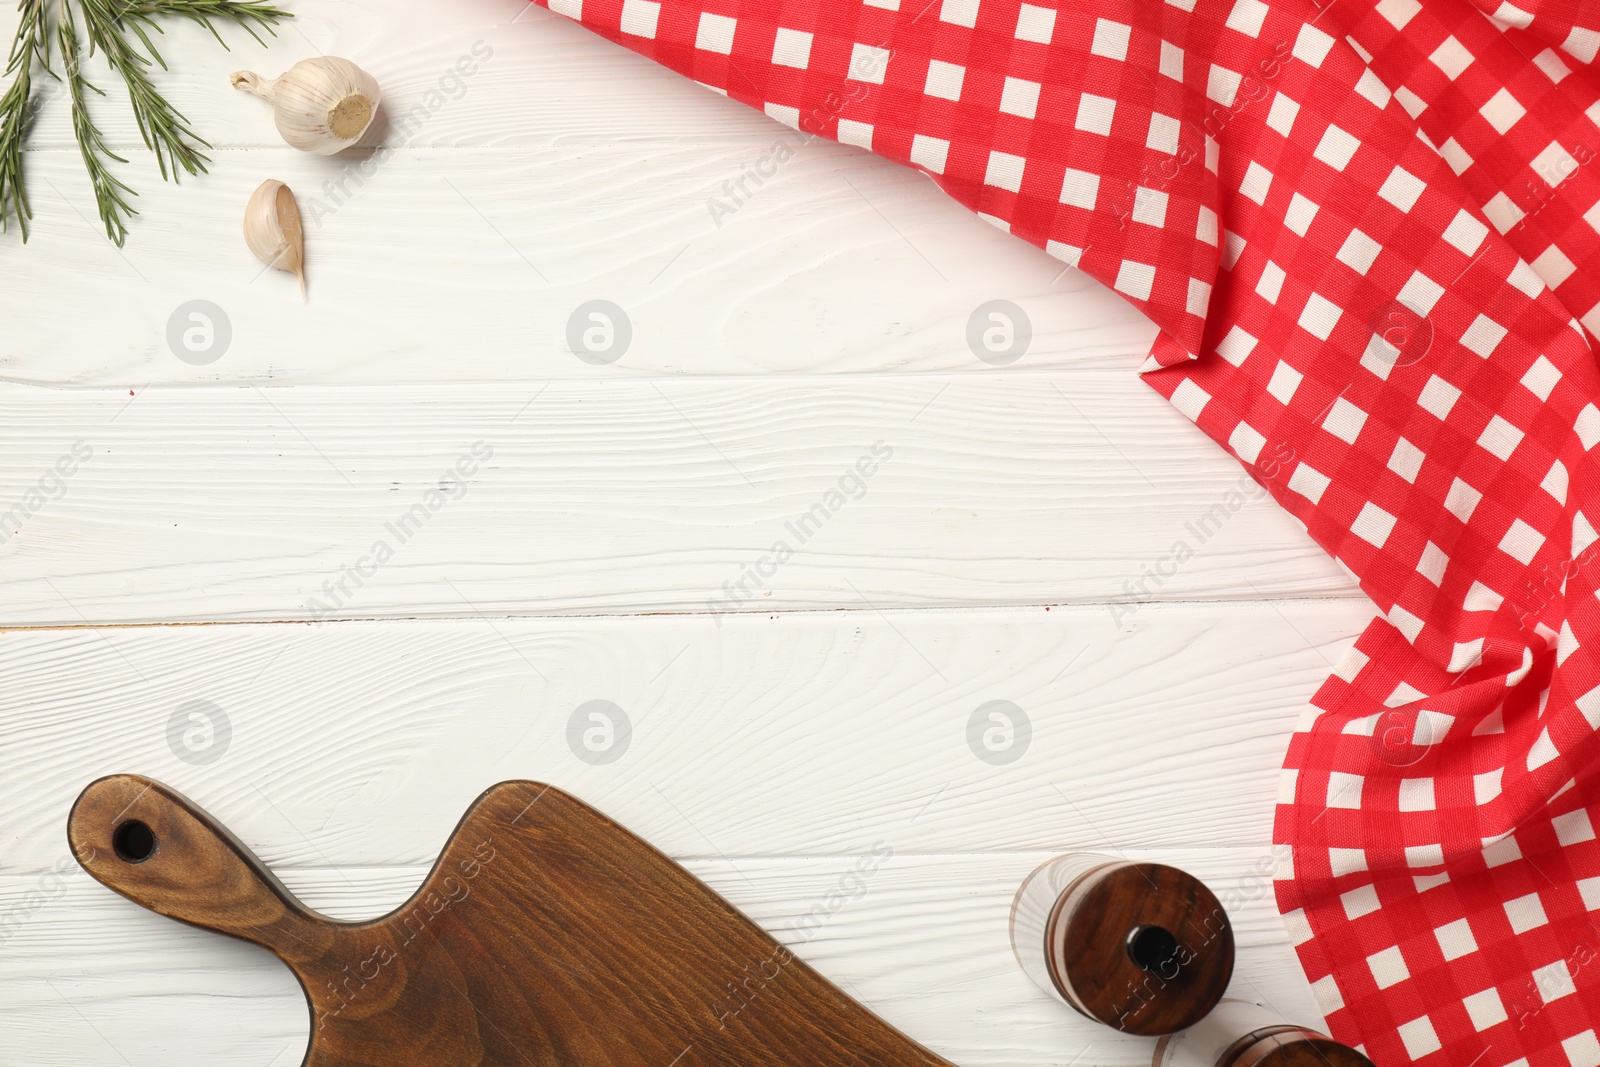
x: 545, y: 935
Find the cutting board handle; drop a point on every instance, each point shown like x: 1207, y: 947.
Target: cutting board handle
x: 153, y: 846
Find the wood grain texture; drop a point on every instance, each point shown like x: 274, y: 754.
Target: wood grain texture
x: 799, y: 735
x: 632, y: 497
x: 1093, y: 959
x: 436, y: 265
x: 545, y: 935
x: 90, y: 979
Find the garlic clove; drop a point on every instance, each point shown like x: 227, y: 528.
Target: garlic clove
x: 320, y: 105
x: 272, y: 229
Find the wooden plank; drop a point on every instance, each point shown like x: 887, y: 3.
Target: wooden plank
x: 468, y: 265
x: 803, y: 734
x: 628, y: 496
x: 91, y: 978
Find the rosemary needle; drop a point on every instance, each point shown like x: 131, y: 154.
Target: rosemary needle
x: 110, y: 193
x: 120, y: 31
x: 31, y: 47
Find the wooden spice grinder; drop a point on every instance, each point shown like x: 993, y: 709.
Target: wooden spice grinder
x: 1141, y: 947
x: 1241, y: 1034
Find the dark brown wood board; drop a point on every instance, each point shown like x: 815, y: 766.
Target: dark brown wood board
x: 545, y: 936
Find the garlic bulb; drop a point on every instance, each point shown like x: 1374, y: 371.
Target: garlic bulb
x: 273, y: 232
x: 321, y: 105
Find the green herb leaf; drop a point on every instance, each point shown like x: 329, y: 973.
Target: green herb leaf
x: 121, y: 32
x: 17, y: 106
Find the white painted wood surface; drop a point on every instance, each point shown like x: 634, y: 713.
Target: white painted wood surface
x: 777, y: 730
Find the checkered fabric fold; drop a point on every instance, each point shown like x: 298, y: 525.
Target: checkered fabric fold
x: 1367, y: 231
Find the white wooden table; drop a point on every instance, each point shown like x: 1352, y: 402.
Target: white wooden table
x: 614, y: 542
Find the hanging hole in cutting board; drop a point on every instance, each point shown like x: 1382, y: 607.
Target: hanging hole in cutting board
x: 134, y: 842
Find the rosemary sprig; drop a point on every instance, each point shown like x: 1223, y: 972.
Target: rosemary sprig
x: 32, y: 45
x: 165, y: 130
x: 121, y: 32
x: 110, y: 193
x: 249, y: 15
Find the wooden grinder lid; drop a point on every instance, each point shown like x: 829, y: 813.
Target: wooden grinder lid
x: 1142, y: 947
x: 1297, y: 1048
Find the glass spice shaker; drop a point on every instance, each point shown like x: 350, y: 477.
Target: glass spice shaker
x: 1241, y: 1034
x: 1141, y: 947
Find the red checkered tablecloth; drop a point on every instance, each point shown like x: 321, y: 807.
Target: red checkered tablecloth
x: 1369, y: 232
